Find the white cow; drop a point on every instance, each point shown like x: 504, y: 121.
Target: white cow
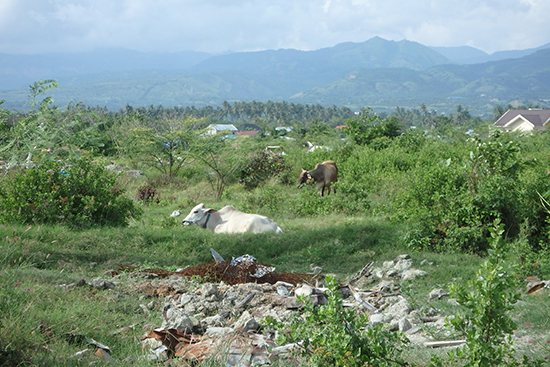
x: 230, y: 220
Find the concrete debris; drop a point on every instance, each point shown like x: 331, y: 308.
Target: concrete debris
x: 220, y: 319
x: 437, y: 294
x: 201, y: 323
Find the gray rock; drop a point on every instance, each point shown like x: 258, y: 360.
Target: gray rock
x: 376, y: 319
x: 247, y: 322
x: 412, y: 274
x: 437, y: 294
x: 174, y: 318
x: 209, y: 290
x: 101, y: 283
x: 404, y: 324
x: 283, y: 291
x: 403, y: 264
x: 399, y: 309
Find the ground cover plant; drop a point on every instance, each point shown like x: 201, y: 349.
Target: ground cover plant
x: 433, y: 194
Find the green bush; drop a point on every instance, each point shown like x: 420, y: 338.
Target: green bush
x: 332, y: 335
x: 264, y: 166
x: 80, y: 194
x: 486, y: 322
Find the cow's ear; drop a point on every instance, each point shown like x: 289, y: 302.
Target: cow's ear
x: 210, y: 211
x: 303, y: 170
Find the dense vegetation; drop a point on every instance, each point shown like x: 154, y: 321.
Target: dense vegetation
x: 439, y: 188
x: 448, y: 178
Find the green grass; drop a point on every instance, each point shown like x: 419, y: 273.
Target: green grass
x: 36, y: 313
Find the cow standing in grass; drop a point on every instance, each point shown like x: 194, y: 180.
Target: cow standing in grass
x: 324, y: 175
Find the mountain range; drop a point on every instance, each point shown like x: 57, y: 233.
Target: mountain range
x: 376, y: 73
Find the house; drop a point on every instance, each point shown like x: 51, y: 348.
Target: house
x: 523, y: 120
x: 213, y: 129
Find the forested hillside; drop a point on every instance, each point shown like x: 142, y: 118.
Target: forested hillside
x: 377, y: 73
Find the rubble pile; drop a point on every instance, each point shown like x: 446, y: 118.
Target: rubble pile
x: 221, y: 318
x: 227, y: 312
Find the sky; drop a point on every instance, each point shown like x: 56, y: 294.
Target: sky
x: 221, y: 26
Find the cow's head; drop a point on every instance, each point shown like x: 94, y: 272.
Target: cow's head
x: 304, y: 178
x: 199, y: 215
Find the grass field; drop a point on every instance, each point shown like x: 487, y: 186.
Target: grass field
x: 37, y: 312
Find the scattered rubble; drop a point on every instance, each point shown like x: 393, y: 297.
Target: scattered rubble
x: 221, y: 318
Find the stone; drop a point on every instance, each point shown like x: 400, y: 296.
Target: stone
x: 412, y: 274
x: 400, y: 308
x: 174, y: 318
x: 437, y: 294
x: 403, y: 264
x: 404, y: 324
x: 376, y: 319
x: 209, y: 290
x: 101, y: 283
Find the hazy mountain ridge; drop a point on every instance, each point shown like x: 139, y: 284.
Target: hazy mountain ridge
x: 376, y: 73
x: 472, y: 55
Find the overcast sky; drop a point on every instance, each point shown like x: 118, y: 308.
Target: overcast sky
x: 217, y: 26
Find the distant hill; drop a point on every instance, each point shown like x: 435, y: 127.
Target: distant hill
x: 377, y: 73
x: 471, y: 55
x: 18, y: 71
x: 477, y: 85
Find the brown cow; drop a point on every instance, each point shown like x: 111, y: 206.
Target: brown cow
x: 324, y: 174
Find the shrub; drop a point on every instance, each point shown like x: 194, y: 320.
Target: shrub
x: 332, y: 335
x: 147, y: 194
x: 264, y: 166
x: 79, y: 194
x: 486, y: 322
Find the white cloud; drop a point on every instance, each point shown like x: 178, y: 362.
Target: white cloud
x: 31, y: 26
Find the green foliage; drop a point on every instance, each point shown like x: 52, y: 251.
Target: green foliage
x: 264, y: 166
x: 452, y: 202
x: 332, y: 335
x: 80, y: 194
x: 266, y: 196
x: 219, y: 160
x: 486, y: 322
x: 369, y: 129
x: 162, y: 145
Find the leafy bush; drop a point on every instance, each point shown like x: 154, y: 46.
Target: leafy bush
x: 486, y: 322
x: 264, y: 166
x: 80, y: 195
x: 332, y: 335
x: 452, y: 203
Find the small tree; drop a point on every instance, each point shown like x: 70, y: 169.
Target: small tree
x: 370, y: 129
x: 264, y: 166
x: 221, y: 159
x: 486, y: 322
x: 163, y: 145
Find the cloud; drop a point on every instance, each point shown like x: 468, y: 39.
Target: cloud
x: 215, y: 26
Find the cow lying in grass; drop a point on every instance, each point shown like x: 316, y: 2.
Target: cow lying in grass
x: 230, y: 220
x: 324, y: 174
